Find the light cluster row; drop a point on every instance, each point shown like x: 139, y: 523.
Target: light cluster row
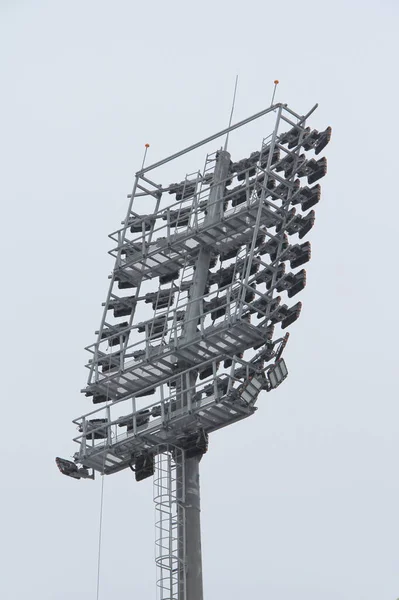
x: 261, y: 178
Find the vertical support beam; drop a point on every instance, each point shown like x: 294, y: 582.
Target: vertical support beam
x: 192, y: 531
x: 192, y: 588
x: 214, y: 213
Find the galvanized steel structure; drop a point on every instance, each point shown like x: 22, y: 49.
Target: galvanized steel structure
x: 187, y: 340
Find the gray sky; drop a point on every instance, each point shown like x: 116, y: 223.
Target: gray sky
x: 300, y: 501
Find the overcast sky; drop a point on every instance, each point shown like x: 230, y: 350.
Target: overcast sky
x: 300, y: 501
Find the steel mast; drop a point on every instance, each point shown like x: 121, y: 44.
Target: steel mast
x: 192, y: 525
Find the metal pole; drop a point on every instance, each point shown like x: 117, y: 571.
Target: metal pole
x: 190, y: 553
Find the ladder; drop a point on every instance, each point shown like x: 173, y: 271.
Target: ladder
x: 169, y: 499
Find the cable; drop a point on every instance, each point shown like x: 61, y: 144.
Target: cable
x: 232, y: 111
x: 100, y: 535
x: 102, y: 502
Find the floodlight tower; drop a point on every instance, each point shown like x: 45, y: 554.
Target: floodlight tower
x: 208, y: 264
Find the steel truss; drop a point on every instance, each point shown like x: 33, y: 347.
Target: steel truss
x: 201, y: 269
x: 160, y: 249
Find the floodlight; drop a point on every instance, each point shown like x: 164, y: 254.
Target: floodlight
x: 292, y: 315
x: 160, y: 299
x: 263, y: 304
x: 247, y: 166
x: 285, y: 164
x: 229, y: 361
x: 266, y: 275
x: 177, y: 218
x: 238, y: 195
x: 138, y: 223
x: 277, y: 373
x: 195, y: 444
x: 273, y: 246
x: 319, y: 170
x: 154, y: 327
x: 231, y: 253
x: 301, y: 225
x: 292, y: 282
x: 124, y: 284
x: 169, y: 277
x: 298, y: 255
x: 93, y: 430
x: 268, y: 333
x: 259, y: 156
x: 313, y: 169
x: 207, y: 371
x: 110, y: 361
x: 114, y: 337
x: 324, y: 139
x: 317, y: 140
x: 69, y: 468
x: 265, y: 156
x: 282, y: 345
x: 97, y: 397
x: 122, y: 307
x: 243, y: 168
x: 288, y: 188
x: 286, y: 315
x: 309, y: 138
x: 217, y: 307
x: 292, y: 136
x: 184, y: 189
x: 144, y: 466
x: 141, y: 418
x: 266, y: 354
x: 307, y: 197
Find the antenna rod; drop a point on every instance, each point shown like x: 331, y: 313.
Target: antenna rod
x: 276, y: 82
x: 145, y: 154
x: 232, y: 111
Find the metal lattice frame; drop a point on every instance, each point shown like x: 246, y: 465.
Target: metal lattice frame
x: 211, y: 265
x: 157, y: 252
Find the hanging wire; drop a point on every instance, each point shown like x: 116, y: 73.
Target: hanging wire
x: 102, y: 498
x: 276, y: 82
x: 232, y: 111
x: 100, y: 532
